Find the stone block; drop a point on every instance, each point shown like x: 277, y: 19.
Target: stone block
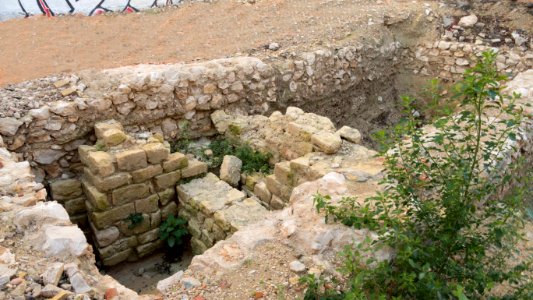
x: 327, y: 142
x: 167, y: 195
x: 206, y: 238
x: 126, y: 229
x: 117, y: 258
x: 170, y: 209
x: 230, y: 170
x: 96, y: 198
x: 66, y: 189
x: 350, y: 134
x: 194, y: 228
x: 107, y: 236
x: 175, y: 161
x: 198, y: 247
x: 144, y: 174
x: 53, y: 273
x: 130, y: 192
x: 277, y: 188
x: 262, y: 192
x: 106, y: 218
x: 252, y: 179
x: 194, y: 168
x: 240, y: 214
x: 210, y: 203
x: 218, y: 233
x: 118, y: 246
x: 132, y: 159
x: 75, y: 206
x: 156, y: 152
x: 148, y: 236
x: 113, y: 137
x: 283, y: 173
x: 147, y: 205
x: 83, y: 152
x: 276, y: 202
x: 101, y: 127
x: 155, y: 219
x: 107, y: 183
x: 100, y: 163
x: 167, y: 180
x: 146, y: 249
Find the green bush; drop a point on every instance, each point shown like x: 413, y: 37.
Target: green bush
x: 173, y: 231
x: 451, y: 208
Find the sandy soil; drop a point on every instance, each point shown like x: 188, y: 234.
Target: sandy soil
x: 39, y: 46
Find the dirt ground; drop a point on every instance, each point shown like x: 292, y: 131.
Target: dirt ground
x: 40, y: 46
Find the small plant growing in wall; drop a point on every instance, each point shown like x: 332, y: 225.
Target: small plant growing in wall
x: 173, y: 231
x: 135, y: 220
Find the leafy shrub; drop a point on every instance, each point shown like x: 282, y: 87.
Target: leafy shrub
x: 450, y: 208
x: 135, y: 220
x: 173, y: 231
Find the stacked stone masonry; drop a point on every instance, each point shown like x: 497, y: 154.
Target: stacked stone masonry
x: 123, y: 178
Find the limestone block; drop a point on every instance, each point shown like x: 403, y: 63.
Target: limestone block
x: 144, y: 174
x: 327, y: 142
x: 146, y: 249
x: 167, y: 180
x: 108, y: 183
x: 262, y: 192
x: 208, y: 223
x: 47, y: 156
x: 230, y: 170
x: 63, y: 240
x: 106, y: 218
x: 79, y: 284
x: 198, y: 247
x: 125, y: 228
x: 117, y: 258
x: 155, y: 219
x: 210, y: 203
x: 175, y: 161
x: 206, y: 238
x: 195, y: 187
x: 167, y: 195
x: 156, y: 152
x: 252, y: 179
x: 170, y: 209
x: 350, y: 134
x: 301, y: 132
x: 194, y: 228
x: 53, y: 273
x: 283, y: 173
x: 130, y: 160
x: 101, y: 127
x: 66, y: 189
x: 240, y: 214
x: 130, y: 192
x: 83, y: 152
x: 107, y: 236
x: 218, y: 233
x: 276, y: 202
x: 42, y: 213
x: 118, y: 246
x: 148, y: 236
x: 9, y: 126
x: 113, y: 137
x: 75, y: 206
x: 277, y: 188
x: 96, y: 198
x: 147, y: 205
x: 100, y: 163
x: 194, y: 168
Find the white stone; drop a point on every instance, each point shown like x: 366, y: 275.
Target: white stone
x: 63, y: 240
x: 79, y: 284
x: 101, y: 105
x: 230, y: 170
x: 43, y: 213
x: 9, y: 126
x: 297, y: 266
x: 107, y: 236
x: 47, y: 156
x: 165, y: 284
x: 351, y: 134
x: 53, y: 273
x: 42, y: 113
x: 63, y: 108
x: 468, y: 21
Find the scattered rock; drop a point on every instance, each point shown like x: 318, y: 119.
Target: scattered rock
x: 297, y: 266
x: 468, y: 21
x: 63, y: 240
x: 53, y: 274
x: 273, y: 46
x: 230, y: 170
x: 9, y: 126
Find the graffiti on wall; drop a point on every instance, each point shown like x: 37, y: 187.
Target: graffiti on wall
x: 26, y: 8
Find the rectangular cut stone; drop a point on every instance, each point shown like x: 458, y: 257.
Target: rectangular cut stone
x: 277, y: 188
x: 146, y: 249
x: 148, y: 236
x: 100, y: 163
x: 170, y: 209
x: 101, y: 127
x: 130, y: 160
x: 198, y: 247
x: 75, y: 206
x: 209, y: 204
x: 155, y: 219
x: 125, y: 226
x: 83, y: 152
x: 144, y: 174
x: 167, y: 195
x: 156, y: 152
x: 167, y: 180
x: 194, y: 168
x: 96, y: 198
x: 147, y: 205
x: 117, y: 258
x: 175, y: 161
x: 113, y: 137
x: 240, y: 214
x: 130, y: 192
x: 107, y: 183
x: 262, y: 192
x: 106, y: 218
x: 283, y: 173
x: 66, y: 189
x: 252, y: 179
x: 276, y: 202
x: 118, y: 245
